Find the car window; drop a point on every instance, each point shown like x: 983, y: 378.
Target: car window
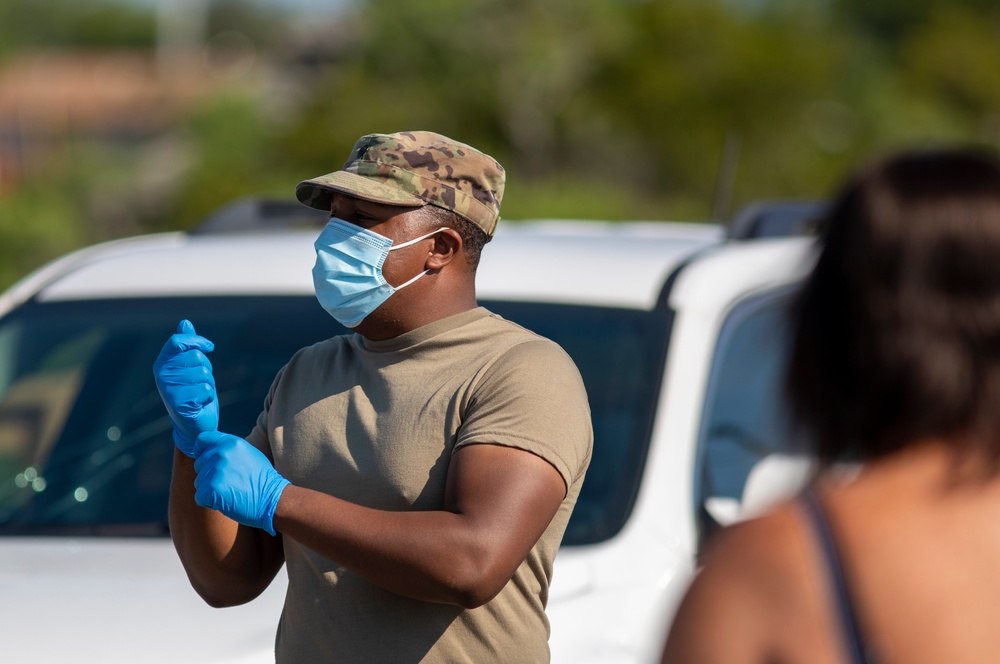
x: 745, y: 430
x: 85, y: 444
x: 620, y: 354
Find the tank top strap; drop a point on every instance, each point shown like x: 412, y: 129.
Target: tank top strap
x: 853, y: 640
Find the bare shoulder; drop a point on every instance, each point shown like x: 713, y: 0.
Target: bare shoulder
x: 760, y: 561
x: 756, y: 588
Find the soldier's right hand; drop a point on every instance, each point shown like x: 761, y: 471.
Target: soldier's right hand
x: 186, y: 385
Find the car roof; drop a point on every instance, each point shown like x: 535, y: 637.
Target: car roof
x: 739, y: 269
x: 620, y: 264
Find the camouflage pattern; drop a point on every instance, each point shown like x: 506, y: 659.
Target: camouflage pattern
x: 415, y: 168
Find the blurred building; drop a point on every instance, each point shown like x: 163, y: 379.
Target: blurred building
x: 50, y: 97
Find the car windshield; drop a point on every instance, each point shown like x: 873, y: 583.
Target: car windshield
x: 85, y: 444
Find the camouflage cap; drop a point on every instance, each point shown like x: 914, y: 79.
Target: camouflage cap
x: 415, y: 168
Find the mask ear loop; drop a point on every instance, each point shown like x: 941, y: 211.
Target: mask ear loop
x: 415, y: 240
x: 407, y: 283
x: 406, y: 244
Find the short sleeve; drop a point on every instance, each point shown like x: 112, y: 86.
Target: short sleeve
x: 532, y: 398
x: 260, y: 435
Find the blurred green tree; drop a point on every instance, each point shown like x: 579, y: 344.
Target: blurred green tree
x: 598, y: 108
x: 30, y: 24
x: 889, y: 22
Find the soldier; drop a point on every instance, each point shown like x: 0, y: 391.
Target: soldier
x: 415, y: 477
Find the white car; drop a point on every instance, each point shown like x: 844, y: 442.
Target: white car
x: 675, y: 328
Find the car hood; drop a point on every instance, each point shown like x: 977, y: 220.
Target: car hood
x: 110, y: 600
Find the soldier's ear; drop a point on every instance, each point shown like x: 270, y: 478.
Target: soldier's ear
x: 447, y: 245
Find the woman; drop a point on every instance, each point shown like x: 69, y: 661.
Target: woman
x: 895, y: 363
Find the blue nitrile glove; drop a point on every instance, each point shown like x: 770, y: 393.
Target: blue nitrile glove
x: 184, y: 380
x: 235, y: 478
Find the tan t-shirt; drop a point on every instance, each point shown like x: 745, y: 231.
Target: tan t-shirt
x: 376, y: 423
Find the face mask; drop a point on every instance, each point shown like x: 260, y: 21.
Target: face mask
x: 348, y: 271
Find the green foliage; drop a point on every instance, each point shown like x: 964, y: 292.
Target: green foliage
x: 614, y: 109
x: 954, y: 56
x: 891, y: 20
x: 236, y: 156
x: 36, y: 225
x: 254, y: 21
x: 638, y: 97
x: 34, y: 24
x: 696, y: 72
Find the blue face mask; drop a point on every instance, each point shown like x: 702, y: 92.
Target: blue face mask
x: 348, y: 271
